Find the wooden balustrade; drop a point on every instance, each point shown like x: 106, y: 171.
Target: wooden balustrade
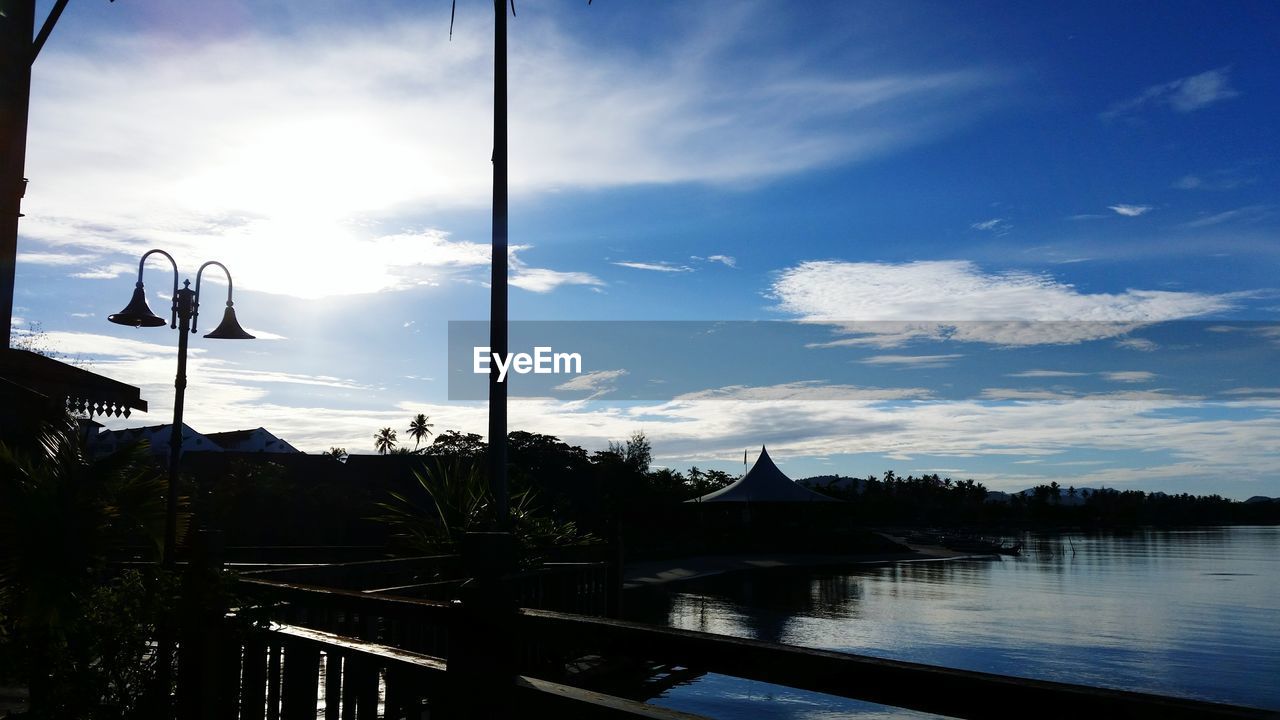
x: 295, y: 650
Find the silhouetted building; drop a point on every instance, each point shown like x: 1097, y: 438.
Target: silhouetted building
x: 764, y: 483
x: 35, y: 389
x: 106, y: 442
x: 256, y: 440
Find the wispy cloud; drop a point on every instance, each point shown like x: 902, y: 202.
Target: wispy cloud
x: 543, y: 280
x: 1252, y: 391
x: 1130, y: 210
x: 1182, y: 95
x: 912, y: 361
x: 996, y: 225
x: 264, y: 334
x: 105, y: 272
x: 1017, y: 394
x: 1140, y: 344
x: 888, y: 304
x: 1249, y: 213
x: 213, y: 142
x: 1129, y: 376
x: 726, y: 260
x: 597, y: 383
x: 665, y: 267
x: 1228, y: 178
x: 52, y: 258
x: 1046, y: 374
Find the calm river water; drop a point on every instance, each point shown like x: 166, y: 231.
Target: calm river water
x: 1194, y: 613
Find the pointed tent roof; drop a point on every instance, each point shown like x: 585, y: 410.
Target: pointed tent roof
x: 764, y: 482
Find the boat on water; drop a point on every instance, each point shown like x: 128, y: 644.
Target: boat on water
x: 983, y: 545
x: 967, y: 543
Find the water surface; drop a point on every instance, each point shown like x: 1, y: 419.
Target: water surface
x: 1194, y: 613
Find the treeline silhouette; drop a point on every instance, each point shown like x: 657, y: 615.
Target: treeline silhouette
x: 333, y: 498
x: 280, y: 499
x: 934, y: 500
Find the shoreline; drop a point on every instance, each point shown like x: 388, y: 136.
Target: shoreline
x: 653, y: 573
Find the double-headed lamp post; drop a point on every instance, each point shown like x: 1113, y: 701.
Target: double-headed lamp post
x: 183, y: 315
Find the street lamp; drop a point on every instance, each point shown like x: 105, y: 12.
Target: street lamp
x: 183, y: 315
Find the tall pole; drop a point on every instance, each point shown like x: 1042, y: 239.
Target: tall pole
x: 185, y: 302
x: 498, y: 283
x: 17, y: 25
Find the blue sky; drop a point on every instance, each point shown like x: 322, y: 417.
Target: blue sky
x: 973, y: 181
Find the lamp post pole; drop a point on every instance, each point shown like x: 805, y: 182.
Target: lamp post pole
x: 184, y: 301
x: 184, y: 316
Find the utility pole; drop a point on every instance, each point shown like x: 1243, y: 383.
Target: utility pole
x: 19, y: 46
x: 498, y: 279
x: 17, y: 27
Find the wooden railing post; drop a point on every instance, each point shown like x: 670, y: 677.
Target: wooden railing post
x: 482, y: 648
x: 201, y: 619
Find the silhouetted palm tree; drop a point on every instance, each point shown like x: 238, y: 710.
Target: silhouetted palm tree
x: 419, y: 428
x: 384, y: 440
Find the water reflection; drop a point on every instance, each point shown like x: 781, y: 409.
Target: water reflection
x: 1185, y: 612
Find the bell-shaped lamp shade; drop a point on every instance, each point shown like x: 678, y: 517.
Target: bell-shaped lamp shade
x: 137, y: 313
x: 229, y: 328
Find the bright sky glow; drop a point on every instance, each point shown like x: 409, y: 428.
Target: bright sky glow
x: 1031, y: 188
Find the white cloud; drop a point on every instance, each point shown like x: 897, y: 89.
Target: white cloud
x: 1129, y: 376
x: 313, y: 149
x: 1267, y: 331
x: 1130, y: 210
x: 1046, y: 374
x: 915, y: 361
x: 726, y: 260
x: 50, y: 258
x: 1139, y: 344
x: 996, y: 225
x: 795, y: 419
x: 1002, y: 394
x: 542, y: 280
x: 656, y: 267
x: 887, y: 304
x: 598, y: 382
x: 1250, y: 213
x: 1252, y: 391
x: 805, y: 391
x: 1183, y: 95
x: 264, y: 334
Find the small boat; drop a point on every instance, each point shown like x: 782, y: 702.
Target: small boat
x: 982, y: 545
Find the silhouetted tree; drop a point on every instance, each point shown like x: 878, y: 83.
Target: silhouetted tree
x: 419, y: 428
x: 459, y: 445
x: 384, y: 440
x: 637, y: 453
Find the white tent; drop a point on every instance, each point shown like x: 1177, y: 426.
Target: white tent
x: 764, y: 482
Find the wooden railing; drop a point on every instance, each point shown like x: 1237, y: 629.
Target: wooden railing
x: 477, y: 658
x: 296, y: 673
